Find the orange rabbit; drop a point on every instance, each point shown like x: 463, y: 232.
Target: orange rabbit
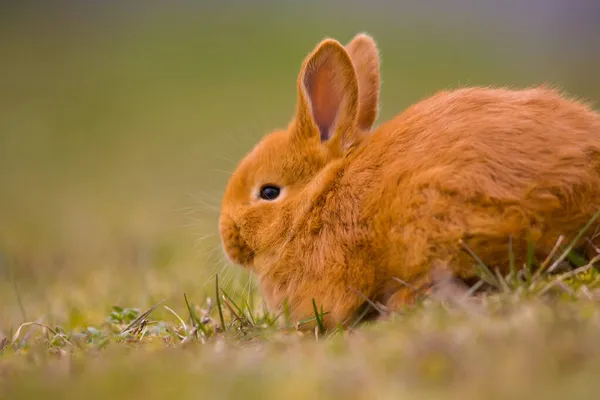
x: 333, y: 210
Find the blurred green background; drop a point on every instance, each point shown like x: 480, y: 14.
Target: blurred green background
x: 120, y: 122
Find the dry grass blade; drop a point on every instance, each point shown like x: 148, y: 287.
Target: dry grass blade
x: 550, y: 255
x: 474, y: 288
x: 250, y: 315
x: 536, y: 276
x: 565, y: 288
x: 183, y: 324
x: 501, y: 280
x: 485, y: 272
x: 195, y: 320
x: 591, y: 243
x: 369, y: 301
x: 361, y: 316
x: 574, y: 242
x: 143, y: 333
x: 559, y: 279
x: 25, y: 324
x: 586, y: 292
x: 232, y: 303
x: 236, y: 316
x: 411, y: 287
x: 140, y: 320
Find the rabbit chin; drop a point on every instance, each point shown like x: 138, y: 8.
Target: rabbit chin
x: 282, y: 291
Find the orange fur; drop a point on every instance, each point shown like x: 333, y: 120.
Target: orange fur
x: 360, y: 207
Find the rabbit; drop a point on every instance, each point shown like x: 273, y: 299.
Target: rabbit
x: 332, y: 209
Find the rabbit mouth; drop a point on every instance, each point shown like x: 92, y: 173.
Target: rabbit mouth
x: 235, y: 247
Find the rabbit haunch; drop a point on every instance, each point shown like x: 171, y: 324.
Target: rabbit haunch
x: 361, y: 206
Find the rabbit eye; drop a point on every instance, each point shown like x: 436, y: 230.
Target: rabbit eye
x: 269, y: 192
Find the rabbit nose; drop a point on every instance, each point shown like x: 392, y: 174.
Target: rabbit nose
x: 235, y: 247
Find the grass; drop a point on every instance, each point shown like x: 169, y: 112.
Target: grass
x: 527, y: 335
x: 118, y: 131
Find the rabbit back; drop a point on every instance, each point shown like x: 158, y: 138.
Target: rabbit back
x: 482, y: 166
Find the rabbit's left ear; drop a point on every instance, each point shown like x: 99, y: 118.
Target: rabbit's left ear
x: 328, y: 96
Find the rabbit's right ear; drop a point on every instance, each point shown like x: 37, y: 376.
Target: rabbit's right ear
x: 327, y: 106
x: 365, y: 56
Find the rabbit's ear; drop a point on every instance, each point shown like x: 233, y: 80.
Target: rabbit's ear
x: 328, y: 96
x: 365, y: 57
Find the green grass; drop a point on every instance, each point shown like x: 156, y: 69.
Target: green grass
x: 117, y: 135
x: 534, y: 339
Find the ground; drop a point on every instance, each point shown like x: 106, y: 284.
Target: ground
x: 532, y: 337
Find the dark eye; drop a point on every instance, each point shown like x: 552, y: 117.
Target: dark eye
x: 269, y: 192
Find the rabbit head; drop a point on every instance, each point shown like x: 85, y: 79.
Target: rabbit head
x: 276, y: 184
